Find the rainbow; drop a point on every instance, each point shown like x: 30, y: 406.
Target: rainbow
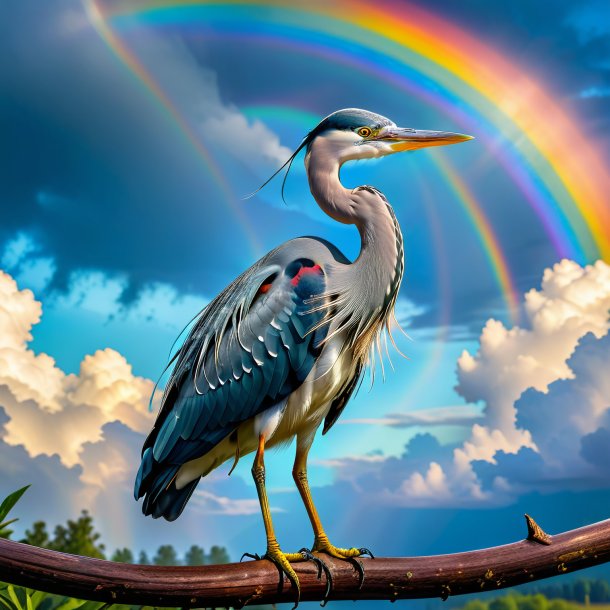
x: 488, y: 238
x: 122, y: 52
x: 560, y: 173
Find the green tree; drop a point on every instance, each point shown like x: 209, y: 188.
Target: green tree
x: 143, y: 559
x: 532, y: 602
x: 122, y: 556
x: 559, y: 604
x: 476, y: 604
x: 508, y: 602
x: 195, y: 556
x: 166, y: 556
x: 78, y: 537
x: 218, y: 555
x: 38, y: 535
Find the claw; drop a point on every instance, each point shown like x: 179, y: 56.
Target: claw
x: 251, y: 556
x: 278, y: 560
x: 308, y: 555
x: 359, y: 568
x: 350, y: 555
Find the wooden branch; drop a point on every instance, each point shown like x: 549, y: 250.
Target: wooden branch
x: 238, y: 584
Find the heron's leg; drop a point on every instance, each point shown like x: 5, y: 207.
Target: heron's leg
x: 274, y: 553
x: 321, y: 542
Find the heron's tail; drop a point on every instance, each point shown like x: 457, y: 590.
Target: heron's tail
x: 157, y: 483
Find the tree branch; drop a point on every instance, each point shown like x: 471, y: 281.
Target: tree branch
x: 238, y: 584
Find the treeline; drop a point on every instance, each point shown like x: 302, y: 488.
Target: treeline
x: 79, y: 537
x: 582, y: 590
x: 564, y: 596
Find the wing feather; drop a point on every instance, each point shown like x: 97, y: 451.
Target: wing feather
x: 248, y: 349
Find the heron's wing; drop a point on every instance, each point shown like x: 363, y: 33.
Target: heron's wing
x: 338, y: 404
x: 249, y: 349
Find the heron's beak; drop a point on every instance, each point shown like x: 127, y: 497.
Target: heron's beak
x: 401, y: 139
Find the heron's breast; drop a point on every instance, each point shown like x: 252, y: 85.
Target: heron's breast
x: 308, y: 405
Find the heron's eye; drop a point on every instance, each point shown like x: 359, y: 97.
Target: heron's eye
x: 365, y: 132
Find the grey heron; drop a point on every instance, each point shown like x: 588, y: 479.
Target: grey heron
x: 282, y: 348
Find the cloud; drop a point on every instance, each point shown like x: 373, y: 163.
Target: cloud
x: 156, y: 303
x: 545, y: 392
x: 569, y: 427
x: 210, y: 503
x: 406, y: 310
x: 36, y: 272
x: 194, y: 89
x: 460, y: 415
x: 572, y: 302
x: 39, y: 398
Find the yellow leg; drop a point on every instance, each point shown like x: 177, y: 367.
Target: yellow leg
x: 274, y: 553
x: 321, y: 542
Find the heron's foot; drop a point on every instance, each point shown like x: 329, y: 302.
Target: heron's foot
x: 283, y: 560
x: 322, y: 545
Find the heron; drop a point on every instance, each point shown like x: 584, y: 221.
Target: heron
x: 283, y: 347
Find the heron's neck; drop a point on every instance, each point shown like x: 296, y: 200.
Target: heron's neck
x: 380, y: 262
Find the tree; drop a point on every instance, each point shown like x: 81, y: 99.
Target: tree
x: 218, y: 555
x: 143, y: 559
x: 78, y: 538
x: 122, y: 556
x: 532, y: 602
x: 475, y: 604
x: 559, y: 604
x: 195, y: 556
x: 507, y: 602
x: 166, y: 556
x: 38, y: 535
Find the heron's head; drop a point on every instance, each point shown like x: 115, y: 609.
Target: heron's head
x: 359, y: 134
x: 352, y: 133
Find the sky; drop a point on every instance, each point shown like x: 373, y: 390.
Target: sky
x: 132, y: 133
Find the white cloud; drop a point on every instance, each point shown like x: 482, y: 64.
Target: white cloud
x: 432, y: 485
x: 406, y: 310
x: 459, y: 415
x: 51, y: 412
x: 213, y: 504
x: 572, y: 302
x: 545, y: 390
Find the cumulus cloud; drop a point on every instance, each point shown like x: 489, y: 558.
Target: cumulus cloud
x: 545, y: 392
x: 572, y: 302
x: 49, y: 411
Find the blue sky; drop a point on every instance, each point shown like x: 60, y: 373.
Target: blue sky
x: 122, y: 233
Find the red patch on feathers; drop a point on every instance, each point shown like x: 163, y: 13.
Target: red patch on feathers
x: 305, y: 271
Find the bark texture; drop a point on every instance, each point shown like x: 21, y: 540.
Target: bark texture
x: 238, y: 584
